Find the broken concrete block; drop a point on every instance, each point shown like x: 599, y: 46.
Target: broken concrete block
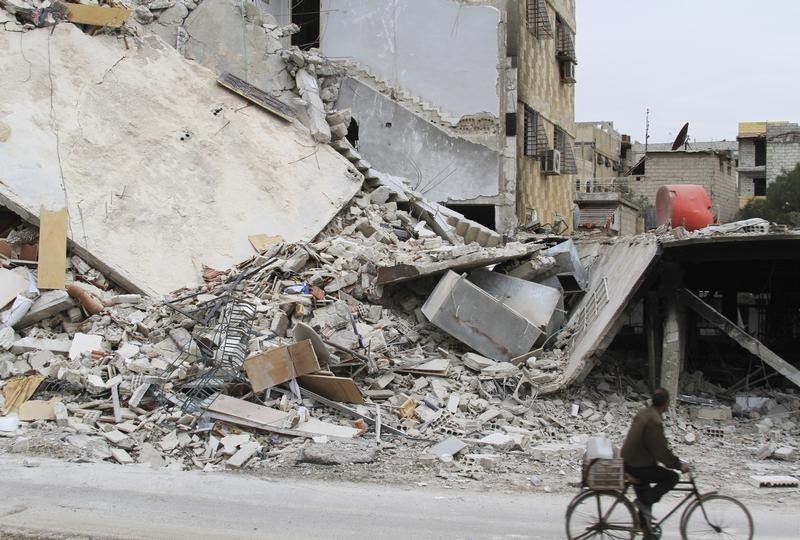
x: 121, y: 456
x: 149, y: 455
x: 711, y: 413
x: 61, y: 414
x: 765, y: 451
x: 448, y: 447
x: 48, y: 304
x: 785, y: 453
x: 279, y: 325
x: 476, y: 362
x: 57, y: 346
x: 243, y: 455
x: 84, y: 343
x: 476, y: 318
x: 309, y: 91
x: 115, y: 436
x: 329, y: 454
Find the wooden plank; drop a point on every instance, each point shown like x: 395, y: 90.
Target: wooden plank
x: 245, y: 410
x: 242, y: 412
x: 11, y: 284
x: 740, y: 336
x: 335, y: 388
x: 269, y: 368
x: 261, y: 242
x: 256, y: 95
x: 52, y: 249
x: 113, y: 17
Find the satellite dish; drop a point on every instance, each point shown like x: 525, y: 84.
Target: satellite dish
x: 680, y: 140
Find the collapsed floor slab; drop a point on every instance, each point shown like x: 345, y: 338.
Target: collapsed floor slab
x: 161, y: 169
x: 615, y: 277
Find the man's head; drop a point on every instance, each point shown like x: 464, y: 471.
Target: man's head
x: 661, y: 399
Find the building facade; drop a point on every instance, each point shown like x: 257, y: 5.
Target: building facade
x: 712, y: 165
x: 766, y: 150
x: 471, y: 101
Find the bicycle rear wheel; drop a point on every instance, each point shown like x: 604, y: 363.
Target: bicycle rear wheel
x: 600, y: 514
x: 718, y: 517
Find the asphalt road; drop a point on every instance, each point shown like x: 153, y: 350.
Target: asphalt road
x: 56, y: 499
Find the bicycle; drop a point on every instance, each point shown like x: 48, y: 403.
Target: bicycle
x: 611, y: 514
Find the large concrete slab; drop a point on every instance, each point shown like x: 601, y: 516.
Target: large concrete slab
x: 533, y: 301
x: 615, y: 277
x: 478, y: 319
x: 163, y: 170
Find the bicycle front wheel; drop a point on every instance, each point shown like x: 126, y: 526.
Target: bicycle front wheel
x: 718, y: 517
x: 600, y: 514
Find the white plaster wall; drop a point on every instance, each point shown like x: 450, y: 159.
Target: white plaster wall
x: 445, y: 52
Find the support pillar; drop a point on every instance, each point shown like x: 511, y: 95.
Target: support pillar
x: 672, y: 346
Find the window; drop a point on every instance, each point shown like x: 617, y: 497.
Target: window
x: 759, y: 187
x: 532, y: 122
x: 720, y: 166
x: 729, y: 168
x: 538, y: 19
x: 564, y: 144
x: 761, y: 152
x: 565, y: 51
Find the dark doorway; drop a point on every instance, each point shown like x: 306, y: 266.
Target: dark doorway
x: 761, y: 152
x: 305, y: 14
x: 481, y: 213
x: 759, y: 187
x: 352, y: 133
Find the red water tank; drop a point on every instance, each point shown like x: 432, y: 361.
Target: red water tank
x: 684, y: 205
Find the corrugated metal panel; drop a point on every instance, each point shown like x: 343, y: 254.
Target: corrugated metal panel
x: 598, y: 216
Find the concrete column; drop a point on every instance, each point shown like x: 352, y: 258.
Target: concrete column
x: 672, y: 346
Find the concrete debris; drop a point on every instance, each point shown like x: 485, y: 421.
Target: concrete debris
x: 298, y: 324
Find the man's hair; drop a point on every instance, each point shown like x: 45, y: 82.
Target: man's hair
x: 660, y: 397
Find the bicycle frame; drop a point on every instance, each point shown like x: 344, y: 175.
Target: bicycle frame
x: 692, y: 493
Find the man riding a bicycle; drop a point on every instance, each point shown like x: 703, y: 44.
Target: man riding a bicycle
x: 644, y: 448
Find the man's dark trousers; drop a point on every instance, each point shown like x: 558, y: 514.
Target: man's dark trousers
x: 664, y: 480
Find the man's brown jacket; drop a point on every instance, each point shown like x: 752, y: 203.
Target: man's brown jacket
x: 645, y: 444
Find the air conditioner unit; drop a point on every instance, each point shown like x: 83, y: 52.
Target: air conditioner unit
x: 552, y: 162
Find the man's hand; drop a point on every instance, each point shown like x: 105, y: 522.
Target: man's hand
x: 685, y: 468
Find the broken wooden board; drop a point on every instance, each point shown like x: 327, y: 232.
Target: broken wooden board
x: 437, y: 367
x: 256, y: 95
x: 11, y: 284
x: 332, y: 387
x: 113, y: 17
x: 261, y: 242
x: 269, y: 368
x: 238, y: 411
x: 19, y: 390
x: 37, y: 409
x: 740, y: 336
x: 52, y: 248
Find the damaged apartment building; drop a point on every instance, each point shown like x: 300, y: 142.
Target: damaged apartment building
x: 471, y: 101
x: 767, y: 149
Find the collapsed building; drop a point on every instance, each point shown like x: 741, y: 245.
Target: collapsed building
x: 244, y: 285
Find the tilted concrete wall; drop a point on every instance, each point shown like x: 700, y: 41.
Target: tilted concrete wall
x: 395, y: 141
x: 540, y: 87
x: 444, y: 51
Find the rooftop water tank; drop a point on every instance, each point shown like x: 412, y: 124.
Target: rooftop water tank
x: 684, y: 205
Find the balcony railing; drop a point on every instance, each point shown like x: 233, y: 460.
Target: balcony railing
x: 605, y: 185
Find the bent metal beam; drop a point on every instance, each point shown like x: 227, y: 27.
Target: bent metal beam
x: 741, y: 337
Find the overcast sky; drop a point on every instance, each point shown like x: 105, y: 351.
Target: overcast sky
x: 712, y: 63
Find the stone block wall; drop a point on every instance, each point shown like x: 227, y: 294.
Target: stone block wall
x: 700, y: 168
x: 783, y: 149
